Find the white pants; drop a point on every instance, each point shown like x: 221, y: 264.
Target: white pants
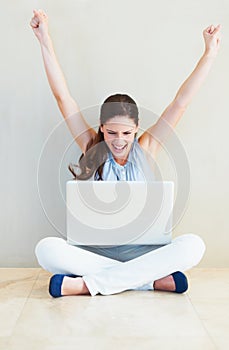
x: 107, y: 276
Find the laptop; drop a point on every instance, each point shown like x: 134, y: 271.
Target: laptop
x: 108, y: 213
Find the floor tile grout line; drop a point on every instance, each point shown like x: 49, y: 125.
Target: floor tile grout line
x: 25, y: 302
x: 38, y: 275
x: 205, y: 328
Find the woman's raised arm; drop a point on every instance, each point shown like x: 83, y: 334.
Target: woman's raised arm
x: 150, y: 139
x: 79, y: 128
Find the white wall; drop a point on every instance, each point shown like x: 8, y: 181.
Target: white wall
x: 143, y: 48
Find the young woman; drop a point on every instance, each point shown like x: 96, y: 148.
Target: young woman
x: 109, y: 270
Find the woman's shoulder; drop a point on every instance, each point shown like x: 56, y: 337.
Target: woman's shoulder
x: 142, y: 143
x: 150, y: 149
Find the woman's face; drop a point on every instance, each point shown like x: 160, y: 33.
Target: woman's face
x: 119, y: 133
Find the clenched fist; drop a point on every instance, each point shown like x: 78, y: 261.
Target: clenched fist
x: 39, y: 24
x: 212, y: 38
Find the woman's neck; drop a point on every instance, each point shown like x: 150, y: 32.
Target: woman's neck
x: 120, y: 161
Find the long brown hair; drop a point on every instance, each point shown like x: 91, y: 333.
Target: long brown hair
x: 96, y: 150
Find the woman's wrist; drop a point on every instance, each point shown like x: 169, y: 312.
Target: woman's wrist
x: 210, y: 53
x: 45, y: 40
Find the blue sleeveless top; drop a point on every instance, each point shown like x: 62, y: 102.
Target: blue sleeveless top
x: 139, y: 166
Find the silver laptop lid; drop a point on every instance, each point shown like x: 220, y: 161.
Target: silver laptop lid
x: 108, y: 213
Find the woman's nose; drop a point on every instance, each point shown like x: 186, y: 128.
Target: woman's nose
x: 119, y: 135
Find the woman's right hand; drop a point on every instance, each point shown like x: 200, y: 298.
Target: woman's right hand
x: 39, y: 24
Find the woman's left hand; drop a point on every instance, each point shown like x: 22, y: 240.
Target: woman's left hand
x: 212, y: 38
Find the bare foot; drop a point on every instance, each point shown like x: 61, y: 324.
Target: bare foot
x: 74, y: 286
x: 166, y: 283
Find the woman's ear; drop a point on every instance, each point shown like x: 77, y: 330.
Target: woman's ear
x: 101, y: 128
x: 136, y: 131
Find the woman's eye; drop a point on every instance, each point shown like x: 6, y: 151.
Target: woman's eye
x: 114, y: 133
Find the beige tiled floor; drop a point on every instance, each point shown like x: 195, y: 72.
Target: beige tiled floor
x: 31, y: 319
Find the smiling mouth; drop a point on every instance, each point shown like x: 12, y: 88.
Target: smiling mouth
x: 119, y: 148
